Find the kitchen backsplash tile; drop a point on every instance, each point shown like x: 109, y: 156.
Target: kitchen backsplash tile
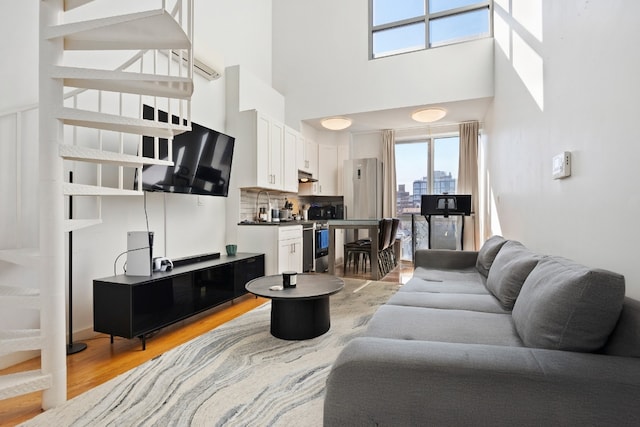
x: 248, y: 210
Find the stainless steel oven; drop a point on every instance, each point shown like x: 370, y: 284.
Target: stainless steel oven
x: 321, y: 247
x: 308, y: 250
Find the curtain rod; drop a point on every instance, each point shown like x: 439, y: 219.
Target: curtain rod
x: 426, y: 128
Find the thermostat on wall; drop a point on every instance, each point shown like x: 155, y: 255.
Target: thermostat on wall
x: 561, y: 165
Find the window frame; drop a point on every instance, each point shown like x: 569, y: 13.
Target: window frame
x: 426, y: 19
x: 430, y: 140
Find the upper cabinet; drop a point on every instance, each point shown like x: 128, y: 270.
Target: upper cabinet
x: 327, y: 170
x: 289, y: 172
x: 269, y: 148
x: 343, y: 154
x: 327, y: 176
x: 265, y: 155
x: 307, y: 154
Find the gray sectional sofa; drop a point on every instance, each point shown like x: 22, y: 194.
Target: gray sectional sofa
x: 502, y: 336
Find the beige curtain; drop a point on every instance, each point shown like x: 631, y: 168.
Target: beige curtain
x: 468, y: 181
x: 388, y: 174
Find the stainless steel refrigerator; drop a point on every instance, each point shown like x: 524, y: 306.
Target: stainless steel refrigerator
x: 362, y: 189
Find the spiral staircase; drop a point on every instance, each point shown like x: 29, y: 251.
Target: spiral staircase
x: 86, y: 139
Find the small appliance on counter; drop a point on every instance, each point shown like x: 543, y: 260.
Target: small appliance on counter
x: 286, y: 213
x: 322, y: 212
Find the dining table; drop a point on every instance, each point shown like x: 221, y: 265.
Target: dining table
x: 372, y: 225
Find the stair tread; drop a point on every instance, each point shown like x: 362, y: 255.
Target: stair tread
x: 92, y: 119
x: 154, y: 29
x: 123, y: 81
x: 19, y: 297
x: 74, y: 152
x: 72, y: 4
x: 73, y: 189
x: 22, y: 256
x: 14, y: 340
x: 78, y: 224
x: 23, y: 383
x: 18, y: 291
x: 11, y: 334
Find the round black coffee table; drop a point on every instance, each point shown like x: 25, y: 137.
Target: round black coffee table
x: 301, y: 312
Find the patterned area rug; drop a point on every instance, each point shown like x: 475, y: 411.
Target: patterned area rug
x: 235, y: 375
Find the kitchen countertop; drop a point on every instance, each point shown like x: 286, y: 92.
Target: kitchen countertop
x: 281, y: 223
x: 353, y: 222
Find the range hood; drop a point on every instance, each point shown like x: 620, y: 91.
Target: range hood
x: 305, y: 177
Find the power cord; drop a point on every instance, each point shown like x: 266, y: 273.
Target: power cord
x: 125, y: 252
x: 146, y: 215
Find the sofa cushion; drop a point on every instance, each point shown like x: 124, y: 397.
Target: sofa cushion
x: 432, y: 324
x: 470, y: 274
x: 566, y: 306
x: 509, y: 270
x: 451, y: 301
x: 416, y: 284
x: 488, y: 252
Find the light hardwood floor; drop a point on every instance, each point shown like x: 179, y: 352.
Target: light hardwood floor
x: 102, y: 361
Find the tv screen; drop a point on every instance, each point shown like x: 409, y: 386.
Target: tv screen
x: 202, y: 160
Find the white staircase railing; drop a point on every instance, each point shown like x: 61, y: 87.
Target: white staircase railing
x: 97, y: 123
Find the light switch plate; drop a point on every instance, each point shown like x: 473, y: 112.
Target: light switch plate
x: 561, y: 165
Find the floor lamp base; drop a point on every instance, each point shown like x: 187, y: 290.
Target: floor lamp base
x: 75, y: 347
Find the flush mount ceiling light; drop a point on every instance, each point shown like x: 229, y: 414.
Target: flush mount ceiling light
x: 428, y: 115
x: 336, y: 123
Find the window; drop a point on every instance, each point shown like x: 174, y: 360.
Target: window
x: 399, y: 26
x: 425, y: 167
x: 428, y: 166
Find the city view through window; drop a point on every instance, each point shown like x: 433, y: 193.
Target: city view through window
x: 426, y: 167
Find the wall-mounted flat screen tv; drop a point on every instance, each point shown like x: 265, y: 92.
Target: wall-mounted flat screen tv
x: 202, y: 160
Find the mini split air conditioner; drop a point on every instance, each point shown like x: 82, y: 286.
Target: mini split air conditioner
x: 209, y: 72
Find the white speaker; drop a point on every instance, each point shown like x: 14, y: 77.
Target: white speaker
x: 139, y: 253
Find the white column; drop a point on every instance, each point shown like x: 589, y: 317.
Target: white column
x: 52, y: 259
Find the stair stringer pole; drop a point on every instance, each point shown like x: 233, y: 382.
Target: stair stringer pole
x: 51, y: 206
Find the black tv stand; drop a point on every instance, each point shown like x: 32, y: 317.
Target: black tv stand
x: 137, y: 306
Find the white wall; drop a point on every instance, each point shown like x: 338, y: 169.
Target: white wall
x: 16, y: 76
x: 583, y: 99
x: 240, y: 31
x: 321, y: 64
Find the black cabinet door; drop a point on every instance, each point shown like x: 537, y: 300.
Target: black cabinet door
x: 247, y: 270
x: 212, y: 286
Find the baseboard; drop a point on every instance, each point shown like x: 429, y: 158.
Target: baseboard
x: 83, y: 334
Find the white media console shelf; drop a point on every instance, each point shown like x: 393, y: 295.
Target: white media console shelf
x: 134, y: 306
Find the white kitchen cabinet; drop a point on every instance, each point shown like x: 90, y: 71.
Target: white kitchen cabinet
x: 311, y: 153
x: 289, y: 161
x: 306, y: 154
x: 327, y: 176
x: 280, y: 244
x: 327, y: 170
x: 259, y: 151
x: 290, y: 249
x: 343, y: 154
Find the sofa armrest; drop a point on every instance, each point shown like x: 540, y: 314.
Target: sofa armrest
x: 378, y: 381
x: 445, y: 259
